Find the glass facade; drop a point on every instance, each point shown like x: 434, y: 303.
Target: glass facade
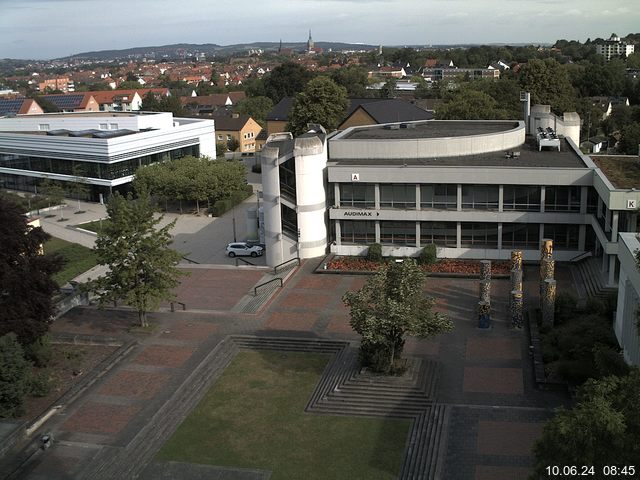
x: 287, y: 171
x: 521, y: 198
x: 100, y: 170
x: 289, y: 221
x: 524, y: 236
x: 480, y: 197
x: 562, y: 199
x: 443, y: 234
x: 355, y: 232
x: 402, y: 196
x: 357, y: 195
x: 398, y: 233
x: 439, y: 197
x: 565, y: 237
x: 476, y: 234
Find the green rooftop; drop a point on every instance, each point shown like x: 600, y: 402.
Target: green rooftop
x: 623, y: 171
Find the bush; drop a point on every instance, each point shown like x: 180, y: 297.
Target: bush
x: 428, y: 255
x: 609, y: 361
x: 566, y: 306
x: 40, y: 383
x: 39, y: 352
x: 224, y: 205
x: 377, y: 357
x: 13, y: 376
x: 374, y: 252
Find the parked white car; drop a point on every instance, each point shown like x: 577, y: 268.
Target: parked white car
x: 242, y: 249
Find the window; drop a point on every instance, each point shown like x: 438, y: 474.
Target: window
x: 228, y: 137
x: 443, y: 234
x: 483, y: 235
x: 113, y: 126
x: 289, y: 221
x: 357, y: 232
x: 565, y: 237
x: 398, y: 196
x: 44, y: 127
x: 220, y: 137
x: 357, y: 195
x: 441, y: 197
x: 562, y: 199
x: 521, y: 198
x: 103, y: 126
x: 520, y: 235
x: 480, y: 197
x: 398, y: 233
x: 287, y: 172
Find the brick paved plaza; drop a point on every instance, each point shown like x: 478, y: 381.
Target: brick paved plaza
x: 485, y: 376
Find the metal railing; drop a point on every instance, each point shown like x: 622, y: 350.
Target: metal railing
x: 275, y: 269
x: 255, y: 289
x: 582, y: 256
x: 183, y: 305
x: 190, y: 261
x: 245, y: 261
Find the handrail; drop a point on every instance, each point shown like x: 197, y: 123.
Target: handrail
x: 255, y: 289
x: 190, y: 261
x: 245, y: 261
x: 184, y: 306
x: 275, y: 269
x: 582, y: 256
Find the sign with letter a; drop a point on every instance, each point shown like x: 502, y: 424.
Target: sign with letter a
x: 355, y: 177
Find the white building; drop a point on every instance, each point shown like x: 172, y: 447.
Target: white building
x: 626, y: 324
x: 106, y: 147
x: 614, y: 47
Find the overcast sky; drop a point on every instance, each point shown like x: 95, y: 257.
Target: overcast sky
x: 44, y: 29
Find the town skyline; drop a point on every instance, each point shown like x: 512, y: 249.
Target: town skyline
x: 59, y: 28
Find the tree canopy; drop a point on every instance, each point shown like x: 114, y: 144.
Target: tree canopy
x: 256, y: 107
x: 141, y: 267
x: 602, y: 429
x: 354, y: 79
x: 467, y: 104
x: 286, y: 80
x: 322, y: 101
x: 389, y: 306
x: 26, y: 286
x: 549, y: 84
x: 162, y: 103
x: 14, y: 371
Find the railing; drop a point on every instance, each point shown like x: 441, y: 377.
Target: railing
x: 255, y: 290
x: 183, y: 305
x: 245, y: 261
x: 275, y: 269
x: 582, y: 256
x: 190, y: 261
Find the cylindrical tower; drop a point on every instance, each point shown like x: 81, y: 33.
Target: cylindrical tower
x: 271, y: 205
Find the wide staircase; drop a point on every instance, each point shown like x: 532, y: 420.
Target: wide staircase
x: 588, y: 272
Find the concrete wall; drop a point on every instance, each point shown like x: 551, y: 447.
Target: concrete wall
x: 628, y: 293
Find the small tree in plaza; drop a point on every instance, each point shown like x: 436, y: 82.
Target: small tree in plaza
x: 391, y: 305
x: 142, y: 268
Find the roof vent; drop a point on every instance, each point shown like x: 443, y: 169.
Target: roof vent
x: 393, y: 126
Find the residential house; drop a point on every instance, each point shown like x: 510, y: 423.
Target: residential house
x: 64, y: 84
x: 209, y: 104
x: 19, y: 106
x: 614, y: 47
x: 125, y: 100
x: 241, y: 127
x: 73, y: 102
x: 369, y: 111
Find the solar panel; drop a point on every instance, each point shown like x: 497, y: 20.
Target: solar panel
x: 11, y: 105
x: 65, y: 102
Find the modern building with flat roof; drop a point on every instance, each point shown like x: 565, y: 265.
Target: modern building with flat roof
x: 105, y: 149
x: 475, y: 189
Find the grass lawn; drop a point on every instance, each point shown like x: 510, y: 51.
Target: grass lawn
x: 92, y: 226
x: 253, y: 417
x: 78, y: 259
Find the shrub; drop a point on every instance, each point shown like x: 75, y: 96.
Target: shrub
x: 566, y: 306
x: 40, y: 383
x: 609, y: 361
x: 40, y: 352
x: 377, y: 357
x: 374, y: 252
x: 428, y: 255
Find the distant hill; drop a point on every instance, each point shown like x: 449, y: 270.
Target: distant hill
x: 190, y: 49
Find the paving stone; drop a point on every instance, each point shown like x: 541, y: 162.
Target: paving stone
x: 507, y: 438
x: 165, y: 356
x: 493, y: 380
x: 136, y: 384
x: 494, y: 348
x: 99, y: 418
x: 484, y: 472
x: 300, y: 321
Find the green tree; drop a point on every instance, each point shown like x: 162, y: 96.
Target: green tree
x: 233, y: 144
x: 602, y: 429
x: 52, y: 190
x: 286, y: 80
x: 322, y: 101
x: 150, y: 103
x: 630, y: 140
x: 129, y: 85
x: 14, y: 370
x: 79, y: 187
x: 142, y: 269
x: 354, y: 79
x: 256, y: 107
x: 548, y: 82
x: 391, y: 305
x: 26, y: 286
x: 388, y: 90
x: 467, y: 104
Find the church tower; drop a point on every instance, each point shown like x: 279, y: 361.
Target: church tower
x: 310, y: 44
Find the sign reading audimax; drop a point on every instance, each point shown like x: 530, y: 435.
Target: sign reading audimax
x: 360, y: 213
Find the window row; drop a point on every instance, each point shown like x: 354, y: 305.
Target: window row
x: 474, y: 197
x: 472, y: 234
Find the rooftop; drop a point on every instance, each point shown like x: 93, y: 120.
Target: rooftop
x: 526, y: 156
x: 622, y: 171
x: 430, y: 129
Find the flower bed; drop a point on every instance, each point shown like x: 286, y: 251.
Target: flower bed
x: 445, y: 265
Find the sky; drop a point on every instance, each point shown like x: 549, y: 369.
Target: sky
x: 45, y: 29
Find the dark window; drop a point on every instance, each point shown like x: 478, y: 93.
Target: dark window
x: 288, y: 179
x: 443, y: 234
x: 483, y: 235
x: 289, y: 221
x: 440, y: 197
x: 521, y: 198
x: 357, y: 195
x: 480, y: 197
x: 592, y: 201
x: 520, y: 235
x: 562, y: 199
x: 398, y: 196
x: 565, y: 237
x: 398, y: 233
x: 357, y: 232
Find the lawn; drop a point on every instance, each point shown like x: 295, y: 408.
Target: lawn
x: 94, y: 226
x: 253, y: 417
x: 78, y: 259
